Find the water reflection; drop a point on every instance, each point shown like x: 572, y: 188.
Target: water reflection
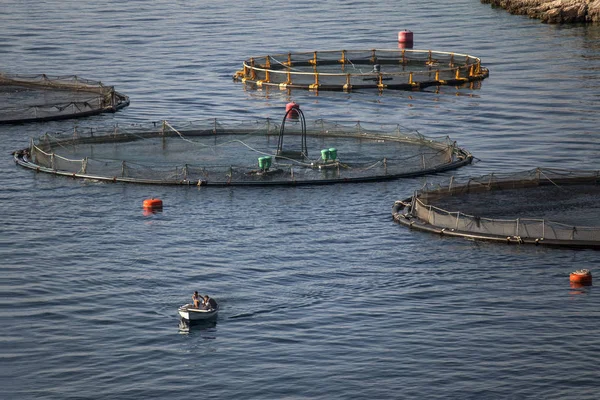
x: 206, y: 328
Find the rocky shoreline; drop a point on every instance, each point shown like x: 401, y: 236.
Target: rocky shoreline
x: 552, y: 11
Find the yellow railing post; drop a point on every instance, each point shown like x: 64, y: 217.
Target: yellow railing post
x: 316, y: 84
x: 348, y: 85
x: 380, y: 85
x: 410, y: 78
x: 314, y: 60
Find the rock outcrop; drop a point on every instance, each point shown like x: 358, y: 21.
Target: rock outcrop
x: 552, y: 11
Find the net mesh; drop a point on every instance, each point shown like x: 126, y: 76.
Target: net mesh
x: 356, y: 69
x: 212, y: 152
x: 541, y: 204
x: 26, y: 98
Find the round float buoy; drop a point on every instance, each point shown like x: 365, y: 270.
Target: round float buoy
x: 405, y: 36
x: 153, y: 204
x: 581, y: 277
x: 290, y: 110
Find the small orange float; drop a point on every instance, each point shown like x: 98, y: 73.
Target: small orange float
x: 153, y: 204
x: 581, y: 277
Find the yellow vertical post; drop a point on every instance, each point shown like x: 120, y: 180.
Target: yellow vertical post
x: 253, y: 72
x: 380, y: 85
x: 343, y: 59
x: 403, y: 57
x: 316, y: 84
x: 348, y: 85
x: 471, y: 68
x: 314, y: 60
x: 267, y: 69
x: 289, y: 61
x: 457, y: 76
x: 410, y: 78
x: 437, y: 75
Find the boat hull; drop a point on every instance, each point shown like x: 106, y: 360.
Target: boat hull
x: 190, y: 313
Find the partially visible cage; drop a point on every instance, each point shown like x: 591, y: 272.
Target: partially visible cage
x: 542, y: 206
x: 29, y: 98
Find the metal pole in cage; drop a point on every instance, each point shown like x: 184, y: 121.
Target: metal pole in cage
x: 450, y: 185
x: 457, y: 219
x: 52, y: 161
x: 423, y: 158
x: 123, y: 169
x: 517, y: 228
x: 84, y: 163
x: 384, y: 165
x: 543, y: 228
x: 185, y: 172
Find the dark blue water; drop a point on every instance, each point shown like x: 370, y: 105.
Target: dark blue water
x: 322, y: 295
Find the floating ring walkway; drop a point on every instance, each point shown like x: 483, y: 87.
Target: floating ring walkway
x: 347, y: 70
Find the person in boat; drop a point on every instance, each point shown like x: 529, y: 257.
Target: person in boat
x: 206, y: 303
x: 196, y: 298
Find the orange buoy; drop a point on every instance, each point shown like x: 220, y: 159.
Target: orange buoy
x: 290, y: 110
x: 405, y: 36
x: 581, y: 277
x: 153, y: 204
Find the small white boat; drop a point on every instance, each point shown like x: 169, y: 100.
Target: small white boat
x: 191, y: 313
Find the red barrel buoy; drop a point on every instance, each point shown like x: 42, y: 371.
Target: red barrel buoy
x: 405, y: 37
x: 153, y: 204
x: 581, y: 277
x: 293, y: 114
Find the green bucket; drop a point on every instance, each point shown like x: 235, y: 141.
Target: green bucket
x: 267, y: 162
x: 333, y: 153
x: 325, y: 154
x: 261, y: 162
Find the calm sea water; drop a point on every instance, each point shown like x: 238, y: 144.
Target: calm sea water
x: 322, y: 295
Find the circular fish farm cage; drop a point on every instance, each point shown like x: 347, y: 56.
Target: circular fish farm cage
x: 29, y: 98
x: 346, y: 70
x: 261, y: 152
x: 548, y: 207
